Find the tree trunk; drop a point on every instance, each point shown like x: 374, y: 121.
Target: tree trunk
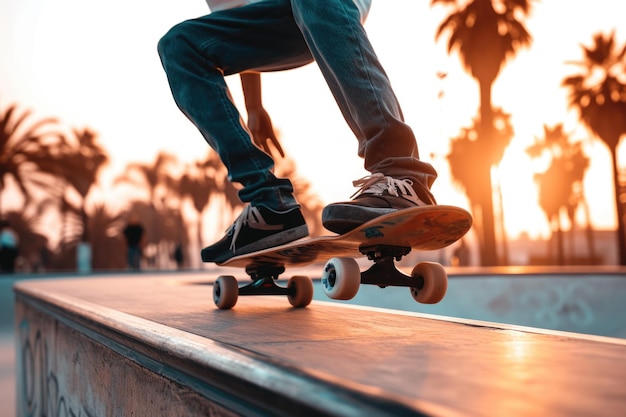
x: 199, y: 231
x: 488, y: 253
x: 488, y: 250
x: 85, y: 221
x: 559, y: 241
x: 591, y: 244
x: 504, y: 243
x: 621, y: 232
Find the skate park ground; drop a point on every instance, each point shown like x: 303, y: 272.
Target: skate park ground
x: 551, y: 301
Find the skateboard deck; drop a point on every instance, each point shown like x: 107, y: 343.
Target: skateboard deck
x: 382, y: 240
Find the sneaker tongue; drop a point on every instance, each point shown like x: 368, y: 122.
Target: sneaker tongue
x: 379, y: 184
x: 380, y: 188
x: 369, y: 185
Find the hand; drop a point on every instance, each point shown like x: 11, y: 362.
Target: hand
x: 260, y: 126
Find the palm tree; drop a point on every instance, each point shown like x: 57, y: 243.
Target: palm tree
x: 158, y: 180
x: 28, y: 148
x: 80, y: 163
x: 599, y: 95
x: 560, y: 186
x: 466, y: 148
x: 486, y: 33
x: 164, y: 228
x: 107, y: 242
x: 199, y: 184
x: 33, y: 245
x: 154, y: 177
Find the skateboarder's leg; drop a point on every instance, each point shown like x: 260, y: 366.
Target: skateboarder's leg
x: 364, y: 94
x: 196, y: 56
x: 198, y: 53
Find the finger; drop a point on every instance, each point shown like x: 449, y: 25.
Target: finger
x: 272, y: 137
x: 278, y: 147
x: 263, y: 145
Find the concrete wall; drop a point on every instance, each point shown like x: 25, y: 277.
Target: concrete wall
x: 7, y: 298
x: 64, y: 373
x: 588, y: 303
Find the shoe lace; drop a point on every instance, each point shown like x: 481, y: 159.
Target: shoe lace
x: 249, y: 215
x: 241, y: 220
x: 379, y: 183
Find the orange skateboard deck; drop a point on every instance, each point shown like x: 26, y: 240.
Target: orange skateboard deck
x: 382, y: 240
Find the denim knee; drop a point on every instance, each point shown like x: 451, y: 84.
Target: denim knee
x: 173, y: 42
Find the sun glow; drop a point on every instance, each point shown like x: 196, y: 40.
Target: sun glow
x: 519, y: 195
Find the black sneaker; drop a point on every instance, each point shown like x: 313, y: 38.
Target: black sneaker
x: 378, y: 195
x: 255, y: 229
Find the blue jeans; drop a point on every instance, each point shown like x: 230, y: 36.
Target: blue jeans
x: 276, y: 35
x: 134, y: 257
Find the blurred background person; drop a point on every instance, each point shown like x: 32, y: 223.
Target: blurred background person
x: 134, y: 233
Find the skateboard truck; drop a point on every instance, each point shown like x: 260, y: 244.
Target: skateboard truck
x: 379, y: 252
x: 384, y: 272
x: 264, y: 281
x: 261, y: 271
x: 226, y: 290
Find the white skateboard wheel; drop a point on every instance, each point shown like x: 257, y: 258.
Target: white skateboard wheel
x: 341, y: 278
x: 225, y: 292
x: 303, y: 291
x: 435, y: 283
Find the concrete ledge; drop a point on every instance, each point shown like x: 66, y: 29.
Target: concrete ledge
x: 157, y: 346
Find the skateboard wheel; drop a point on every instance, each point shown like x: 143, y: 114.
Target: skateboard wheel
x: 435, y: 283
x: 225, y: 292
x: 341, y: 278
x: 301, y: 291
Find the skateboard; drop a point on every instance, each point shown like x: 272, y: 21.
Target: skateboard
x: 383, y: 240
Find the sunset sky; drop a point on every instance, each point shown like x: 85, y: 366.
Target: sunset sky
x: 95, y: 64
